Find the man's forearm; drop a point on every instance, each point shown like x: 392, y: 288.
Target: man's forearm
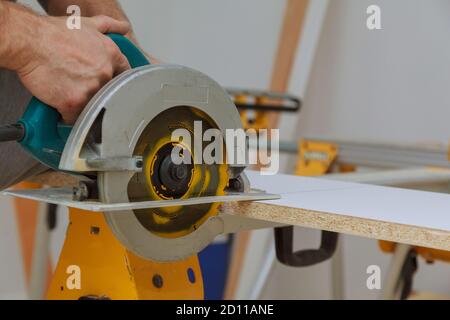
x: 18, y: 27
x: 89, y: 8
x: 4, y: 44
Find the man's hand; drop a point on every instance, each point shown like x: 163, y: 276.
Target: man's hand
x: 90, y: 8
x: 70, y: 66
x: 61, y: 67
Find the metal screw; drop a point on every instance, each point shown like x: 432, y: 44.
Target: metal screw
x: 80, y: 193
x: 95, y: 230
x: 157, y: 281
x: 139, y: 163
x: 179, y: 172
x: 235, y: 184
x: 191, y: 275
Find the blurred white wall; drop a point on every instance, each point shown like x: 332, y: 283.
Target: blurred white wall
x: 232, y: 41
x: 388, y: 85
x: 383, y: 85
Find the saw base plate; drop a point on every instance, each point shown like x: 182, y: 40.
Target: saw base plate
x: 64, y: 197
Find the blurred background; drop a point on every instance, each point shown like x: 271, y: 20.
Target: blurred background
x: 388, y: 85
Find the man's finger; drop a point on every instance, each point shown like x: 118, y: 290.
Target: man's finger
x: 121, y: 64
x: 105, y: 24
x: 69, y: 118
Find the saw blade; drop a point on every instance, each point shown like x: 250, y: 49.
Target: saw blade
x: 162, y: 179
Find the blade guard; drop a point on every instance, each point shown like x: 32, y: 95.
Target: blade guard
x: 45, y: 135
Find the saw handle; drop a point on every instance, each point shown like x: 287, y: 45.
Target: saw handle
x: 44, y: 134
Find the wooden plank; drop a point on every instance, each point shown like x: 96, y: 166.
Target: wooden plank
x: 27, y: 215
x: 240, y: 243
x: 400, y: 215
x: 287, y: 44
x: 294, y: 18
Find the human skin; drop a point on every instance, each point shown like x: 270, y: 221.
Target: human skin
x: 63, y: 68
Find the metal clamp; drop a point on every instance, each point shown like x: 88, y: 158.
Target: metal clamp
x: 260, y: 100
x: 284, y: 242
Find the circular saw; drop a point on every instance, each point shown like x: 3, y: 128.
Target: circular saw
x: 160, y: 201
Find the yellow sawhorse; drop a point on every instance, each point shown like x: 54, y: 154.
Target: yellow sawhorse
x: 94, y: 265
